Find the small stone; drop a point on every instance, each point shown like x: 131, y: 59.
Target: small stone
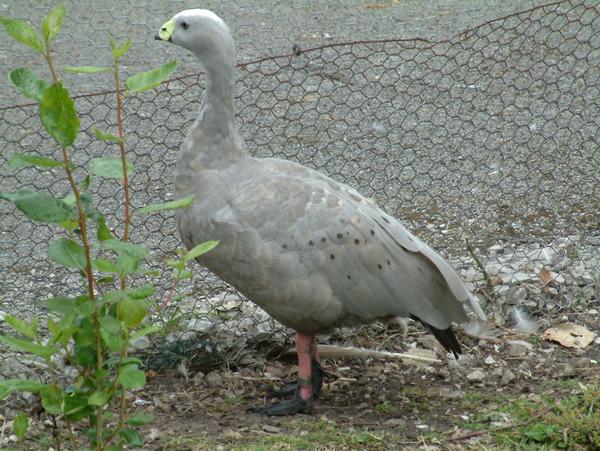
x: 152, y: 435
x: 548, y: 256
x: 429, y: 342
x: 140, y: 343
x: 493, y: 268
x: 520, y: 277
x: 502, y: 289
x: 198, y: 377
x: 476, y: 376
x: 507, y: 377
x: 498, y: 372
x: 395, y: 422
x: 271, y: 429
x: 213, y: 379
x: 489, y: 360
x: 566, y: 371
x: 517, y: 295
x: 200, y: 325
x: 518, y: 348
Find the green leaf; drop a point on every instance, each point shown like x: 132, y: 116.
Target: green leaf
x: 18, y: 160
x: 143, y: 292
x: 58, y: 115
x: 21, y: 326
x: 52, y: 399
x: 68, y: 253
x: 77, y: 407
x: 176, y: 264
x: 182, y: 274
x: 122, y: 362
x: 131, y: 312
x: 132, y: 378
x: 53, y: 22
x: 40, y: 207
x: 113, y: 342
x: 197, y: 251
x: 103, y: 231
x: 27, y: 83
x: 65, y: 306
x: 127, y: 264
x: 86, y: 69
x: 22, y: 32
x: 104, y: 265
x: 139, y: 419
x: 62, y: 335
x: 111, y: 324
x: 9, y: 386
x: 148, y: 80
x: 87, y: 181
x: 119, y: 51
x: 121, y: 247
x: 28, y: 346
x: 131, y: 437
x: 99, y: 398
x: 103, y: 136
x: 20, y: 425
x: 172, y: 205
x: 144, y: 331
x: 110, y: 167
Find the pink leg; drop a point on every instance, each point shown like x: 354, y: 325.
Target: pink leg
x: 304, y: 346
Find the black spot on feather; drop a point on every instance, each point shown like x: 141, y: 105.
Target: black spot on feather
x: 310, y: 243
x: 332, y: 256
x: 323, y: 239
x: 356, y: 241
x: 339, y: 235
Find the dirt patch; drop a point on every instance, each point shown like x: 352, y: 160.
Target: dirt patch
x: 499, y: 385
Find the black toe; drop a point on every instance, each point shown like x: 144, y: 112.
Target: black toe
x: 287, y: 407
x: 290, y: 389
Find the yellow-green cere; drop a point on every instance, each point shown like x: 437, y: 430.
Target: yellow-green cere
x: 166, y: 31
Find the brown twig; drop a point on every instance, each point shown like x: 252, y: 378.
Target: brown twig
x: 488, y: 279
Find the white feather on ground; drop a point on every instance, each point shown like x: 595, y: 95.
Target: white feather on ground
x: 480, y: 329
x: 523, y: 321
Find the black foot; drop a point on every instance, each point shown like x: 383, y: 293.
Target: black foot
x: 291, y: 388
x: 287, y: 407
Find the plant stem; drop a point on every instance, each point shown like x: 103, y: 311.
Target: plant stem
x: 88, y: 258
x: 121, y: 133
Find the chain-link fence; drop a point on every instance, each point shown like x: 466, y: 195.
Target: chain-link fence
x: 489, y: 138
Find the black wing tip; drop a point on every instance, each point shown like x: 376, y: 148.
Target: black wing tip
x: 446, y: 337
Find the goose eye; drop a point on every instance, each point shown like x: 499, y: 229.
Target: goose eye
x: 185, y: 25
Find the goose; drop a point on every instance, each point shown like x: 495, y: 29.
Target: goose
x: 312, y: 252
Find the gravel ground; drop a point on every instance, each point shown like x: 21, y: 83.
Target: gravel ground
x: 261, y: 27
x: 490, y: 136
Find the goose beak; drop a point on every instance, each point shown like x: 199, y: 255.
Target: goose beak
x: 166, y: 31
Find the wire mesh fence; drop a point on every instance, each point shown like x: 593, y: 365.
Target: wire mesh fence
x: 489, y: 139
